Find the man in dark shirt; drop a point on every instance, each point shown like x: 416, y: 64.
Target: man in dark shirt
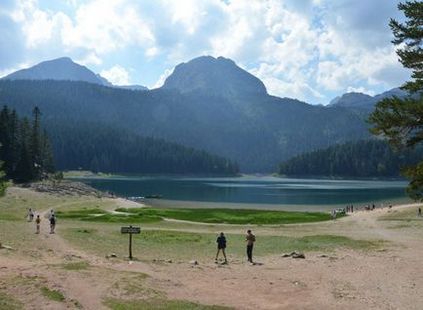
x: 221, y: 245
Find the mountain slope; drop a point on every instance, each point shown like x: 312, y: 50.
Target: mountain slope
x: 65, y: 69
x: 215, y: 76
x: 57, y: 69
x: 256, y: 131
x: 364, y: 102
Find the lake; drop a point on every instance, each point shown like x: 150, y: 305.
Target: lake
x: 253, y: 192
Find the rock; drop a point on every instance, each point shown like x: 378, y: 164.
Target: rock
x: 193, y: 262
x: 111, y: 255
x: 169, y: 261
x: 298, y: 255
x: 294, y: 255
x: 3, y: 246
x: 323, y: 255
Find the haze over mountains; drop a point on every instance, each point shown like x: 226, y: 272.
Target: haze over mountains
x: 207, y: 103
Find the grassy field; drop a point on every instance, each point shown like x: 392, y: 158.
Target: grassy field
x: 226, y: 216
x: 102, y: 239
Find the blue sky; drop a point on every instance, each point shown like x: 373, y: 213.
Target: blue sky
x: 312, y: 50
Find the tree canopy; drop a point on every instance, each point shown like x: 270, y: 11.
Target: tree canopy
x: 401, y: 120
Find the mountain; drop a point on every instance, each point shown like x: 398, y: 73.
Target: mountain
x: 214, y: 76
x: 363, y: 102
x: 256, y: 131
x: 132, y: 87
x: 352, y: 100
x: 57, y: 69
x: 65, y: 69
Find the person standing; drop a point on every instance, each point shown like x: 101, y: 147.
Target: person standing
x: 37, y: 224
x: 250, y: 239
x: 30, y: 215
x: 419, y: 212
x: 52, y: 223
x: 221, y: 246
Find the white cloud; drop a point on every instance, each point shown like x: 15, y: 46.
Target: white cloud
x: 117, y: 75
x: 304, y: 49
x: 163, y: 78
x: 363, y: 90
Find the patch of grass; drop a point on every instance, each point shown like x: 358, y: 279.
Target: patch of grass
x: 166, y: 244
x: 54, y: 295
x: 76, y: 266
x: 135, y: 286
x: 99, y: 215
x: 9, y: 303
x: 228, y: 216
x: 157, y: 304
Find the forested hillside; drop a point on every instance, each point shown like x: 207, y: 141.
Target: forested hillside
x: 99, y: 147
x: 370, y: 158
x: 256, y: 131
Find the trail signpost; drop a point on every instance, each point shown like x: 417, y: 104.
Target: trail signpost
x: 130, y: 230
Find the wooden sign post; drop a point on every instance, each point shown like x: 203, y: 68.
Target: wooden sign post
x: 130, y: 230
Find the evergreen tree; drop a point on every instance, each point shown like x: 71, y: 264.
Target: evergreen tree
x: 26, y: 151
x: 3, y: 181
x: 401, y: 120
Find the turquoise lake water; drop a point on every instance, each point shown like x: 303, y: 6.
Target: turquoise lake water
x: 255, y: 190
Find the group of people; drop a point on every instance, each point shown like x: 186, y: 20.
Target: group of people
x: 51, y: 219
x: 221, y: 246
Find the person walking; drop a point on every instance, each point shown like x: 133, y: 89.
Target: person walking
x: 221, y: 246
x: 37, y: 224
x: 250, y: 239
x: 52, y: 223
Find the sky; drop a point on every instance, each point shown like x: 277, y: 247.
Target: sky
x: 312, y: 50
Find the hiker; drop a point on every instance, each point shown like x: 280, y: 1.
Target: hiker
x: 250, y: 239
x: 37, y: 224
x: 419, y: 212
x: 52, y: 223
x: 221, y: 245
x: 51, y: 214
x: 30, y: 215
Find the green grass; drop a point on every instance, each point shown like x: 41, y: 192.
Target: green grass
x: 76, y: 266
x: 165, y: 244
x: 52, y: 294
x: 157, y: 304
x: 9, y: 303
x: 227, y: 216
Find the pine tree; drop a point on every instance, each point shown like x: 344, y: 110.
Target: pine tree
x: 401, y: 120
x: 3, y: 181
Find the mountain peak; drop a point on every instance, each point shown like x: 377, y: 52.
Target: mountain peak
x: 63, y: 68
x: 214, y: 75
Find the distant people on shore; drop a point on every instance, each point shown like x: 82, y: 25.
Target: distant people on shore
x: 37, y: 224
x: 250, y: 239
x: 221, y: 246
